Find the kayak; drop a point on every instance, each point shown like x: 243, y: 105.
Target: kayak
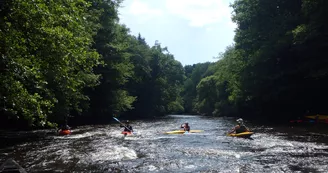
x: 296, y: 121
x: 126, y: 133
x: 242, y: 135
x: 11, y: 166
x: 320, y: 117
x: 65, y: 132
x: 182, y: 131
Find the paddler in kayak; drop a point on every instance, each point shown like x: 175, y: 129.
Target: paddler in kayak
x: 185, y: 127
x: 127, y: 127
x: 64, y: 127
x: 240, y: 128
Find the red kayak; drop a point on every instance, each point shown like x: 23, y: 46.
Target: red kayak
x: 65, y: 132
x: 296, y: 121
x: 126, y: 133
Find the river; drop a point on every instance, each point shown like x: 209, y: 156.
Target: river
x: 104, y: 149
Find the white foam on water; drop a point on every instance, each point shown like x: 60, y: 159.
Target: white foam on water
x: 237, y: 156
x: 164, y: 137
x: 79, y: 136
x: 216, y: 153
x: 190, y: 166
x: 274, y: 144
x: 113, y: 153
x: 131, y: 138
x: 152, y: 168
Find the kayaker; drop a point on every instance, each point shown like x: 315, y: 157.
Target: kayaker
x: 185, y: 127
x: 127, y: 127
x: 64, y: 127
x: 240, y: 128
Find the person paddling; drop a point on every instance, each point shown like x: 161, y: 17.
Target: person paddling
x: 127, y: 127
x: 64, y: 127
x: 185, y: 127
x: 240, y: 128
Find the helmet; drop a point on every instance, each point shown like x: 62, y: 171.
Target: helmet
x: 240, y: 121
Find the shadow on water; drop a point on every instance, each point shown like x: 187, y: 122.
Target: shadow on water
x: 105, y: 149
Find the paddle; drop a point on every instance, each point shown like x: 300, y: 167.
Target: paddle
x: 123, y: 124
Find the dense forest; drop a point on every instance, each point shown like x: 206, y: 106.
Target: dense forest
x: 73, y: 61
x: 277, y: 67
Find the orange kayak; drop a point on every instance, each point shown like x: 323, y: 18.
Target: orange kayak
x: 126, y: 133
x: 65, y: 132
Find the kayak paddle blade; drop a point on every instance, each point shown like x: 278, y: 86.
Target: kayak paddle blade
x: 116, y: 119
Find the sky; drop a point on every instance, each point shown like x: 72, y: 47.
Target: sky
x: 194, y: 31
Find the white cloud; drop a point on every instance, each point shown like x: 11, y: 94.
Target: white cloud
x: 140, y: 11
x: 141, y: 8
x: 200, y: 12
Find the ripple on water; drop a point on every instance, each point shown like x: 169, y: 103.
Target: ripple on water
x: 105, y: 149
x: 113, y: 153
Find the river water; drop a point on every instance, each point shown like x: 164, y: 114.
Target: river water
x: 104, y: 149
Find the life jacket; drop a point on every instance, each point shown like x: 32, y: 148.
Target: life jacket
x: 128, y: 129
x: 186, y: 128
x: 241, y: 129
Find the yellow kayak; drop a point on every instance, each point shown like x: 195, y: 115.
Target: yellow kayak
x: 182, y: 131
x: 244, y: 134
x: 320, y: 117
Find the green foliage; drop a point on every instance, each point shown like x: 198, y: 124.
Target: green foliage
x: 276, y: 69
x: 194, y: 74
x: 46, y: 58
x: 207, y: 94
x: 110, y: 97
x: 59, y: 56
x: 166, y: 81
x: 61, y: 59
x: 112, y: 42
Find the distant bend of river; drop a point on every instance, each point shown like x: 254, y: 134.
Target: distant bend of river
x: 104, y: 149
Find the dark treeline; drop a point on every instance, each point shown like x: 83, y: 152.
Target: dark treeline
x: 194, y: 74
x: 72, y: 60
x: 276, y: 69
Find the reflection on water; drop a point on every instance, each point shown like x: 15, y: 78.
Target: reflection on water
x: 104, y: 149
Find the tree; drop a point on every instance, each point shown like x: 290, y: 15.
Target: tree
x: 46, y: 59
